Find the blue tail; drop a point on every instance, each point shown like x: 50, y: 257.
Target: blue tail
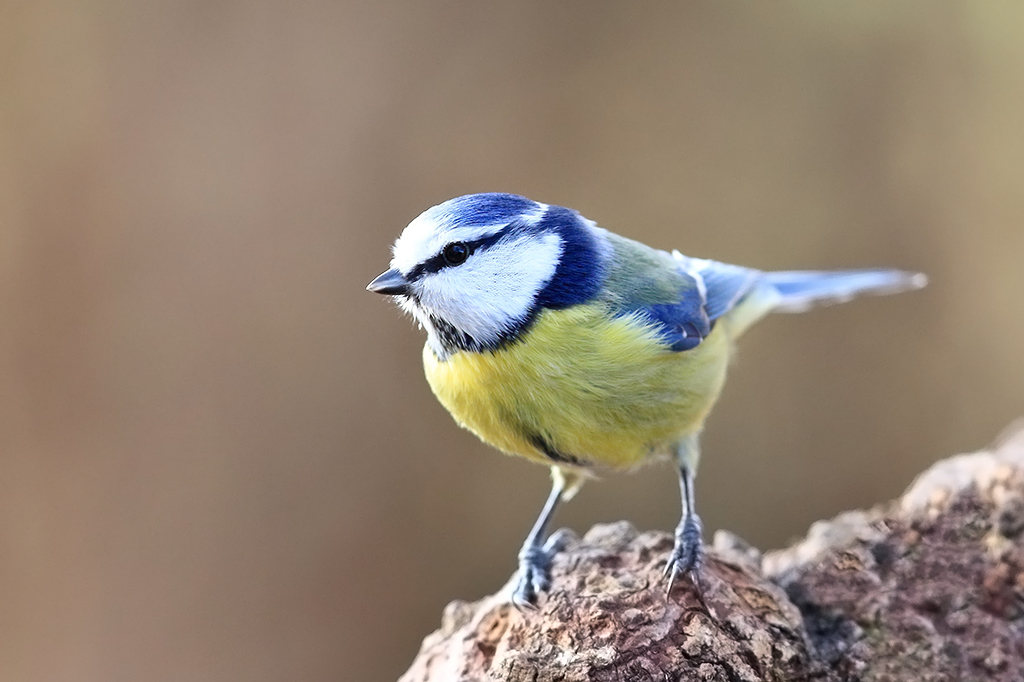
x: 801, y: 290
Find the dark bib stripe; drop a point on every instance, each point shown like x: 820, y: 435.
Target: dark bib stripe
x: 554, y: 455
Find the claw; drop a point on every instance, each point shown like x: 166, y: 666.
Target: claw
x: 670, y: 572
x: 535, y: 571
x: 524, y: 600
x: 686, y: 555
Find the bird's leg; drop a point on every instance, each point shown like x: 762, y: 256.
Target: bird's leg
x: 689, y: 547
x: 535, y: 556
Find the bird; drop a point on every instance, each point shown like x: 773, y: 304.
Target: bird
x: 569, y: 345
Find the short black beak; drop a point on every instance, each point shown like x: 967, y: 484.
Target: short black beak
x: 391, y: 282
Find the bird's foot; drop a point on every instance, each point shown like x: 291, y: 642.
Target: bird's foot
x: 688, y: 553
x: 535, y: 569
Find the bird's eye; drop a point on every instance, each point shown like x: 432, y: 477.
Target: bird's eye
x: 455, y: 253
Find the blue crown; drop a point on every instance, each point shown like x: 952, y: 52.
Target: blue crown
x: 491, y: 208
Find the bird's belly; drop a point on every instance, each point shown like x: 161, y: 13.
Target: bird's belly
x: 581, y: 388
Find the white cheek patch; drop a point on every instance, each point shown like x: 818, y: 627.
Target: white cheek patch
x: 495, y: 288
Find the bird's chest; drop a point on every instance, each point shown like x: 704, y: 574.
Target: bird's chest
x: 581, y: 388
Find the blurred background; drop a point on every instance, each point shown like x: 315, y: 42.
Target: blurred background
x: 219, y: 459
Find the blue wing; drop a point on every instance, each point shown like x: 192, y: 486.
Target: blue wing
x: 725, y: 285
x: 681, y: 297
x: 683, y: 325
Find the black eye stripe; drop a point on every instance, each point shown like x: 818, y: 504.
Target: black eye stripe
x: 437, y: 263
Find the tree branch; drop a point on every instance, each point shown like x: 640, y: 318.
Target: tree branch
x: 927, y: 588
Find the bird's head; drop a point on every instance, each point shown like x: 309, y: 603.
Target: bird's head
x: 475, y: 270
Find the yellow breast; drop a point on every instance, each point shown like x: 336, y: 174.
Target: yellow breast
x: 582, y: 387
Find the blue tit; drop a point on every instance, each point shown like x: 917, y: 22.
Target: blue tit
x: 556, y: 340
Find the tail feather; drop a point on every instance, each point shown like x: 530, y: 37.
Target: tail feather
x: 797, y: 291
x: 801, y: 290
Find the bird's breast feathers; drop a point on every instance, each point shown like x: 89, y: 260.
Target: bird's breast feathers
x: 583, y: 387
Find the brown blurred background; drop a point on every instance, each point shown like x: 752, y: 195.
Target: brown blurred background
x: 219, y: 459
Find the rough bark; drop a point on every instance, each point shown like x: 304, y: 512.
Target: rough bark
x: 928, y: 588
